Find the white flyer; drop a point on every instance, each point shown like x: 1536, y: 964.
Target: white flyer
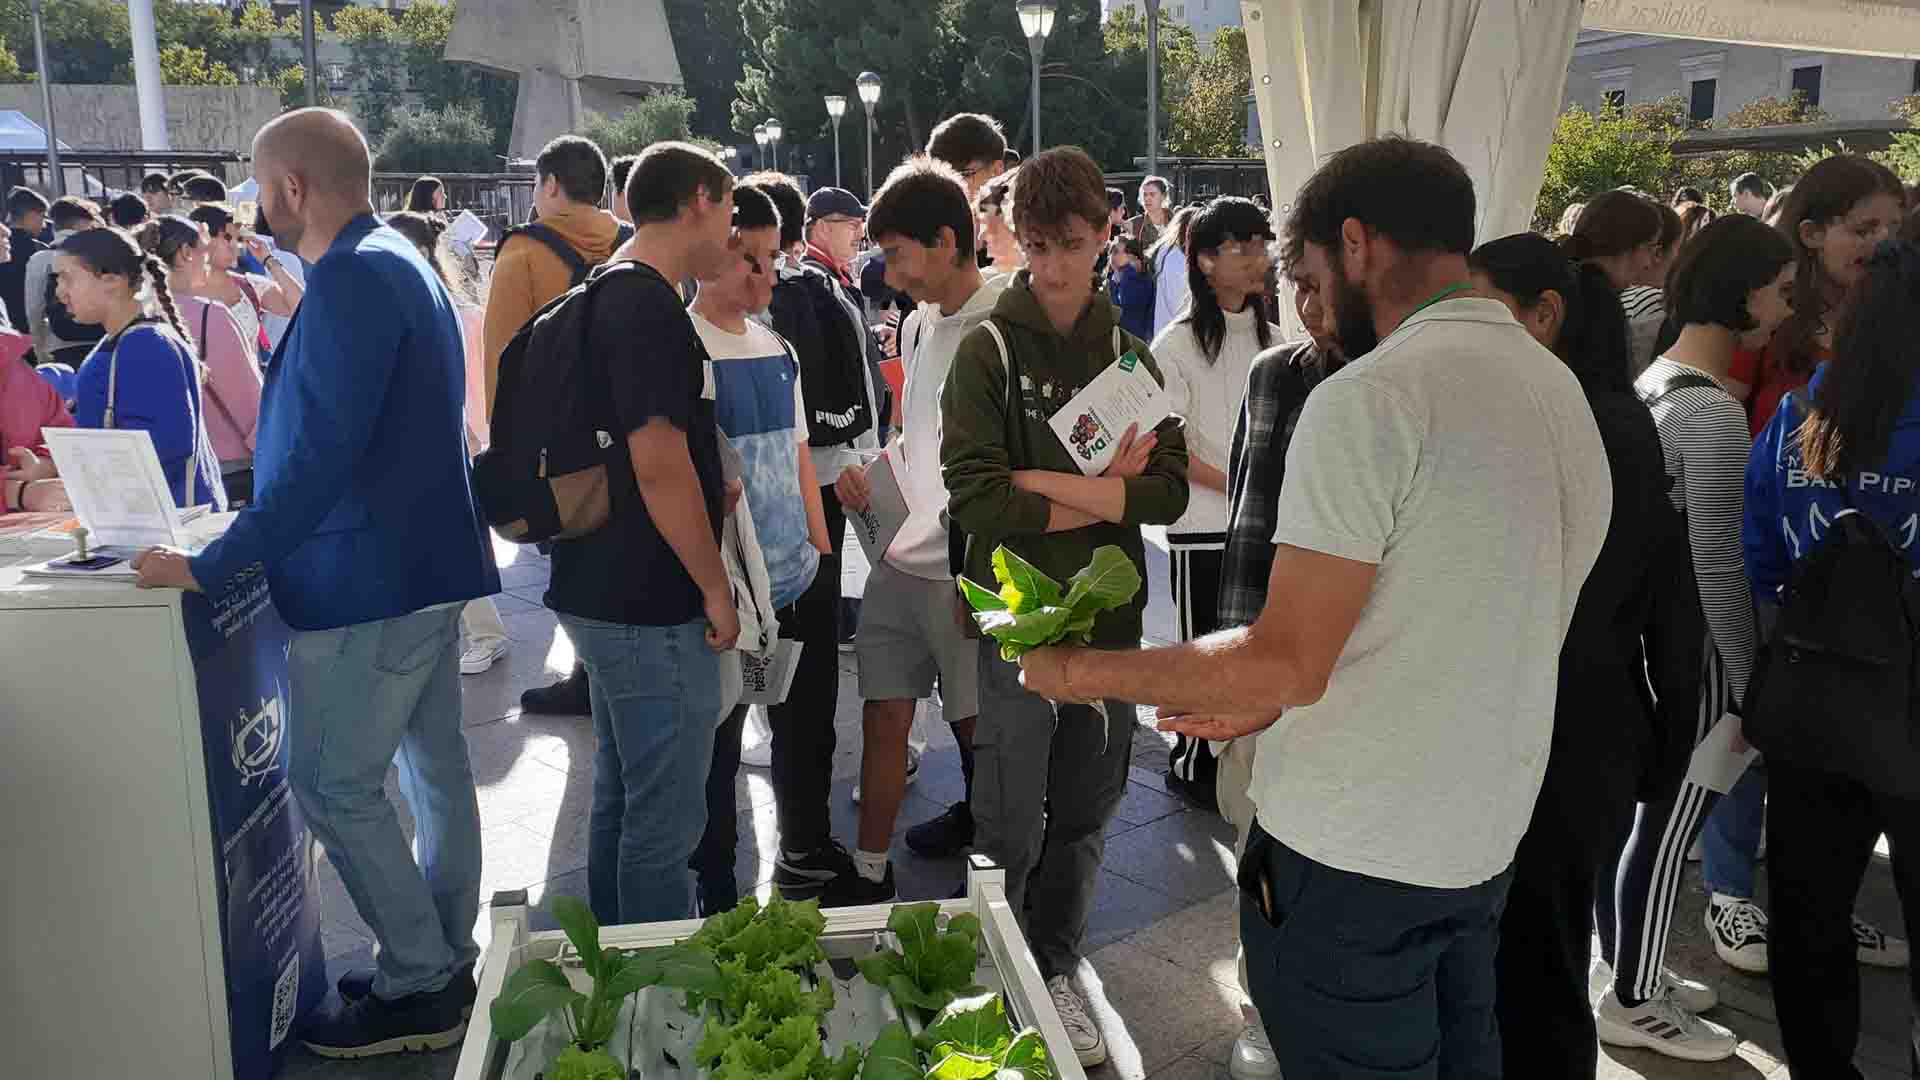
x: 114, y: 481
x: 467, y: 229
x: 886, y: 511
x: 1715, y: 764
x: 1092, y: 424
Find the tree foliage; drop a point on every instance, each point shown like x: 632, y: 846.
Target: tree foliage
x: 10, y: 66
x: 709, y: 42
x: 658, y: 116
x: 184, y: 65
x: 454, y: 139
x: 1595, y: 152
x: 1208, y: 116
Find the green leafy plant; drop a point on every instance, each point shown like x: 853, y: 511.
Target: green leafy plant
x: 540, y: 988
x: 972, y: 1037
x: 765, y: 1019
x: 577, y: 1064
x: 1030, y: 611
x: 932, y: 966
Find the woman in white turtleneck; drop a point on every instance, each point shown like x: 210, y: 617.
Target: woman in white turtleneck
x: 1205, y: 354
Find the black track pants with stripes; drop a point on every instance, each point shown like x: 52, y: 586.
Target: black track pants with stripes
x: 1195, y: 560
x: 1634, y: 927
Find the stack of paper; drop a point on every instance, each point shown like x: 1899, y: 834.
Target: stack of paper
x: 886, y: 511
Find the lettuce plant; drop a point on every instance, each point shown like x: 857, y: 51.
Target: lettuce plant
x: 1030, y: 611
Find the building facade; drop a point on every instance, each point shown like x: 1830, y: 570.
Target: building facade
x: 1204, y: 17
x: 1716, y: 79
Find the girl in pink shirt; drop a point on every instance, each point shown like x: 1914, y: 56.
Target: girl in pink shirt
x: 27, y: 404
x: 232, y: 371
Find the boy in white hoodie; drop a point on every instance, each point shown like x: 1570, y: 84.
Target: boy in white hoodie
x: 909, y: 634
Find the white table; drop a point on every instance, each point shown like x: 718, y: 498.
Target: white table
x: 116, y: 831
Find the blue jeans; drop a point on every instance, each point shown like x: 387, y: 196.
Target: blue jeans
x: 1359, y: 978
x: 1730, y: 842
x: 656, y: 699
x: 360, y: 698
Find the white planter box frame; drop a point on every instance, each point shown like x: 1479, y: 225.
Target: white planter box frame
x: 1028, y: 1003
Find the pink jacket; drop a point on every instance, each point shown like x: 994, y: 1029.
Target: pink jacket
x: 27, y: 404
x: 231, y: 394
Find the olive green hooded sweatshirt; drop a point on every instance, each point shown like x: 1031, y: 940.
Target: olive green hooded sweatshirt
x: 979, y: 450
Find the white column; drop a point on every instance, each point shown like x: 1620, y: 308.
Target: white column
x: 146, y: 76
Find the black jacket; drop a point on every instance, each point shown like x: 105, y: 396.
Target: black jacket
x: 807, y: 309
x: 1630, y: 669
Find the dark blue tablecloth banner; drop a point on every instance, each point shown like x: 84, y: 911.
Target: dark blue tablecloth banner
x: 269, y: 900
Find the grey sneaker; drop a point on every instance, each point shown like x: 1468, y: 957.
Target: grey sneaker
x: 1088, y: 1044
x: 1663, y: 1027
x: 1876, y: 949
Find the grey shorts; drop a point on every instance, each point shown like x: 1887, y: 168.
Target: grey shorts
x: 909, y: 640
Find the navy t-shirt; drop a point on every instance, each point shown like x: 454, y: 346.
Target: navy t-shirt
x: 646, y: 362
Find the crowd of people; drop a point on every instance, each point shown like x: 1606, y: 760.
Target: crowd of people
x: 1466, y: 579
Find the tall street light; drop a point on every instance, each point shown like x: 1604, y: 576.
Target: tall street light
x: 1036, y: 21
x: 760, y: 140
x: 56, y: 176
x: 728, y: 154
x: 774, y: 131
x: 868, y: 84
x: 836, y: 108
x: 1153, y: 87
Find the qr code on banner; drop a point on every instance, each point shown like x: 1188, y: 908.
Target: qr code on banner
x: 286, y: 994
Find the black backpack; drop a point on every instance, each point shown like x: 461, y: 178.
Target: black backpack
x: 577, y: 267
x: 544, y: 475
x: 1833, y: 688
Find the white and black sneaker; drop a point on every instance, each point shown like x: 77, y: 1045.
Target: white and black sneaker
x: 808, y: 875
x: 1088, y: 1044
x: 1690, y: 994
x: 1738, y: 929
x: 1663, y: 1027
x: 1876, y: 949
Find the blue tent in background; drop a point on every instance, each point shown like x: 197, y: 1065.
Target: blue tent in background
x: 19, y: 132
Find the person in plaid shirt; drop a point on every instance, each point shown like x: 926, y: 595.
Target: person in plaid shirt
x: 1277, y: 390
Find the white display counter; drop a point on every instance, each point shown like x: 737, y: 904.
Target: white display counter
x: 158, y: 912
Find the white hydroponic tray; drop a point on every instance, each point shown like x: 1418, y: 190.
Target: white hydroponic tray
x: 653, y: 1020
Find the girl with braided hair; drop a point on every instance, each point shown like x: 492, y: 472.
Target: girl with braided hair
x: 230, y: 369
x: 143, y: 373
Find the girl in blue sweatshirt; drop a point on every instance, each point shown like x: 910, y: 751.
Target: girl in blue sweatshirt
x: 1850, y: 441
x: 144, y: 374
x: 1131, y: 287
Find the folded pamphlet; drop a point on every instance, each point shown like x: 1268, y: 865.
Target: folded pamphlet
x: 1091, y: 425
x: 886, y: 511
x: 1715, y: 764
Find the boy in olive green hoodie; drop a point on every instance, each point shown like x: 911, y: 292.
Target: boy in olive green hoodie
x: 1044, y: 790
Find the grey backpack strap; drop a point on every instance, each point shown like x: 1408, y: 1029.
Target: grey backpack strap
x: 1000, y: 340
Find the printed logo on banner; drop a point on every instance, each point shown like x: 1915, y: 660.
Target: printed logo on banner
x: 1089, y: 436
x: 256, y: 739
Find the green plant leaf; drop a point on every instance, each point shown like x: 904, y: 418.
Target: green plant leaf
x: 965, y: 923
x: 980, y: 597
x: 625, y: 974
x: 1025, y: 630
x: 687, y: 967
x: 535, y: 990
x: 1022, y: 585
x: 845, y: 1067
x: 1026, y: 1058
x: 878, y: 967
x: 975, y: 1025
x: 574, y: 1063
x: 953, y: 1064
x: 892, y: 1056
x: 908, y: 994
x: 576, y: 918
x: 1108, y: 581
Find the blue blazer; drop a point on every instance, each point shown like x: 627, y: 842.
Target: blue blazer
x: 363, y: 506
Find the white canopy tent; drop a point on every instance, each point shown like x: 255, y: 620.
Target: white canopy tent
x: 1484, y: 77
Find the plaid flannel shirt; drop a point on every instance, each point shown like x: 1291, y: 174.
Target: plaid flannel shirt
x: 1277, y: 389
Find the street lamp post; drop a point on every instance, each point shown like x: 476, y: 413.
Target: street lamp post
x: 1153, y: 87
x: 728, y: 154
x: 868, y: 84
x: 57, y: 179
x: 836, y: 108
x: 774, y: 131
x: 1036, y: 21
x: 760, y: 140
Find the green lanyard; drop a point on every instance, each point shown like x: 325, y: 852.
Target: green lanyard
x: 1456, y: 287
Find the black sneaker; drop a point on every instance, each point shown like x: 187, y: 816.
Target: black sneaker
x: 852, y: 890
x: 373, y: 1026
x: 948, y: 834
x: 358, y: 983
x: 568, y: 697
x: 808, y: 877
x: 1199, y: 793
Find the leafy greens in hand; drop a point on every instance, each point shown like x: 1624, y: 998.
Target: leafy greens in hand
x: 1030, y: 610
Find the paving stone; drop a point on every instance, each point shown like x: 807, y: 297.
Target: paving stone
x: 1202, y: 938
x: 1187, y: 856
x: 1152, y: 1011
x: 1121, y: 908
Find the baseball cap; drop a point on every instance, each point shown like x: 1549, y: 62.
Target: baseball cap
x: 834, y: 202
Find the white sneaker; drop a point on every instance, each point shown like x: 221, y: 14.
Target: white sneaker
x: 1088, y: 1044
x: 913, y: 773
x: 1876, y: 949
x: 1739, y: 932
x: 1690, y: 994
x: 480, y: 655
x: 1253, y: 1057
x: 1663, y: 1027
